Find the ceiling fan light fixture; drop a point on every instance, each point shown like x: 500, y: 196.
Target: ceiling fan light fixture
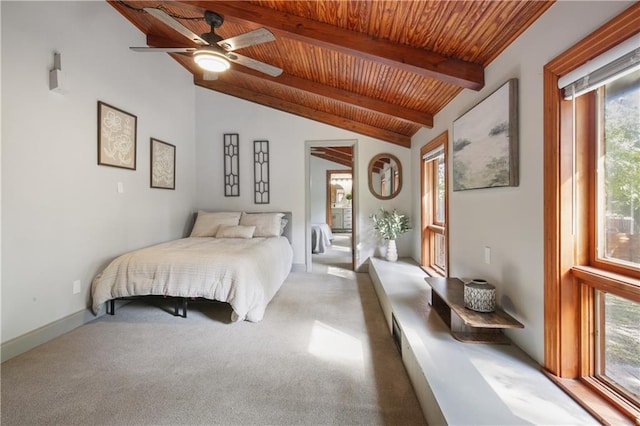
x: 211, y: 61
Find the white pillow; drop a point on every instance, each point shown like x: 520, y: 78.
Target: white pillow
x: 283, y: 225
x: 267, y: 224
x: 207, y: 223
x: 237, y: 231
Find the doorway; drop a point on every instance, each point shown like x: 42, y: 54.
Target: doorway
x: 339, y: 217
x: 331, y: 205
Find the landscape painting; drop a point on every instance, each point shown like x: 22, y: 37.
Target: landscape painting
x: 485, y: 142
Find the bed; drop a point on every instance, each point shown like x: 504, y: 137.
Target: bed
x: 233, y: 257
x: 321, y: 237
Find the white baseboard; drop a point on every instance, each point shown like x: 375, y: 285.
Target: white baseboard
x: 37, y: 337
x: 298, y: 267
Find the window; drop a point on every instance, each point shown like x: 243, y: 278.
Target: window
x: 607, y: 132
x: 592, y: 250
x: 617, y: 246
x: 434, y: 206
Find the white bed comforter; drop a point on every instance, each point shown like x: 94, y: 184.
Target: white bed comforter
x: 321, y: 237
x: 246, y: 273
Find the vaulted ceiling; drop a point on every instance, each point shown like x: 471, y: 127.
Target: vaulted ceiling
x: 380, y: 68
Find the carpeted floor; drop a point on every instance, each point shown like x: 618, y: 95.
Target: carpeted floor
x: 337, y: 255
x: 321, y: 356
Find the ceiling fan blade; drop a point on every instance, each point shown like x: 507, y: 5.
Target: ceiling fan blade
x: 169, y: 21
x: 255, y: 65
x: 261, y: 35
x: 164, y: 49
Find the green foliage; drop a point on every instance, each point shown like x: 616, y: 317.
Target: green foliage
x: 390, y: 225
x: 621, y: 337
x: 622, y: 136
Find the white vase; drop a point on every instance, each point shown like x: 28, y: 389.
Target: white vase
x: 392, y: 251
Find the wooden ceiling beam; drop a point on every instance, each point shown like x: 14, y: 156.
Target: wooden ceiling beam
x: 412, y: 116
x: 345, y: 154
x: 358, y: 101
x: 344, y: 158
x: 306, y: 112
x: 339, y: 150
x: 378, y: 165
x: 342, y: 162
x: 419, y: 61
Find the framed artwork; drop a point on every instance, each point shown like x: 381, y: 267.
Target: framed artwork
x: 485, y: 142
x: 163, y: 165
x: 116, y: 137
x: 261, y: 172
x: 231, y: 150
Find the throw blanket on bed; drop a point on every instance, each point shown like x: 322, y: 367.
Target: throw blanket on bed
x: 321, y: 237
x: 246, y: 273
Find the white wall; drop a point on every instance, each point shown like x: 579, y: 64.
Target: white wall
x: 62, y: 217
x: 218, y: 114
x: 0, y: 179
x: 510, y: 220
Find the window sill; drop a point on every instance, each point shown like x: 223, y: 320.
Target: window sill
x: 430, y: 271
x: 591, y: 401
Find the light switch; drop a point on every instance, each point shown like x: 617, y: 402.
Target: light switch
x: 487, y: 255
x: 120, y: 187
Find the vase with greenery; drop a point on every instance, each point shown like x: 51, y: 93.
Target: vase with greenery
x: 390, y: 225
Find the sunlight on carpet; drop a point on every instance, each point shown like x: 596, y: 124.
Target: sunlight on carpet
x: 339, y: 272
x: 331, y: 344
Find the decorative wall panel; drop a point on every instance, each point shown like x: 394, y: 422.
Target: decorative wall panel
x: 231, y: 167
x: 261, y: 171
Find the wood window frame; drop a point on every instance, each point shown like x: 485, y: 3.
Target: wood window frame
x: 568, y: 279
x: 427, y: 208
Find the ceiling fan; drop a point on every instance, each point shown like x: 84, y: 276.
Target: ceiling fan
x: 214, y: 54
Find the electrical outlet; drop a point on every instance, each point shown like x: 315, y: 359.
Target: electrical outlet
x: 487, y: 255
x: 77, y: 286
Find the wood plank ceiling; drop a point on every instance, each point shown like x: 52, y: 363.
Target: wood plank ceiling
x: 379, y: 68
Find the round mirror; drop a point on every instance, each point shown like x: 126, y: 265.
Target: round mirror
x: 385, y: 176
